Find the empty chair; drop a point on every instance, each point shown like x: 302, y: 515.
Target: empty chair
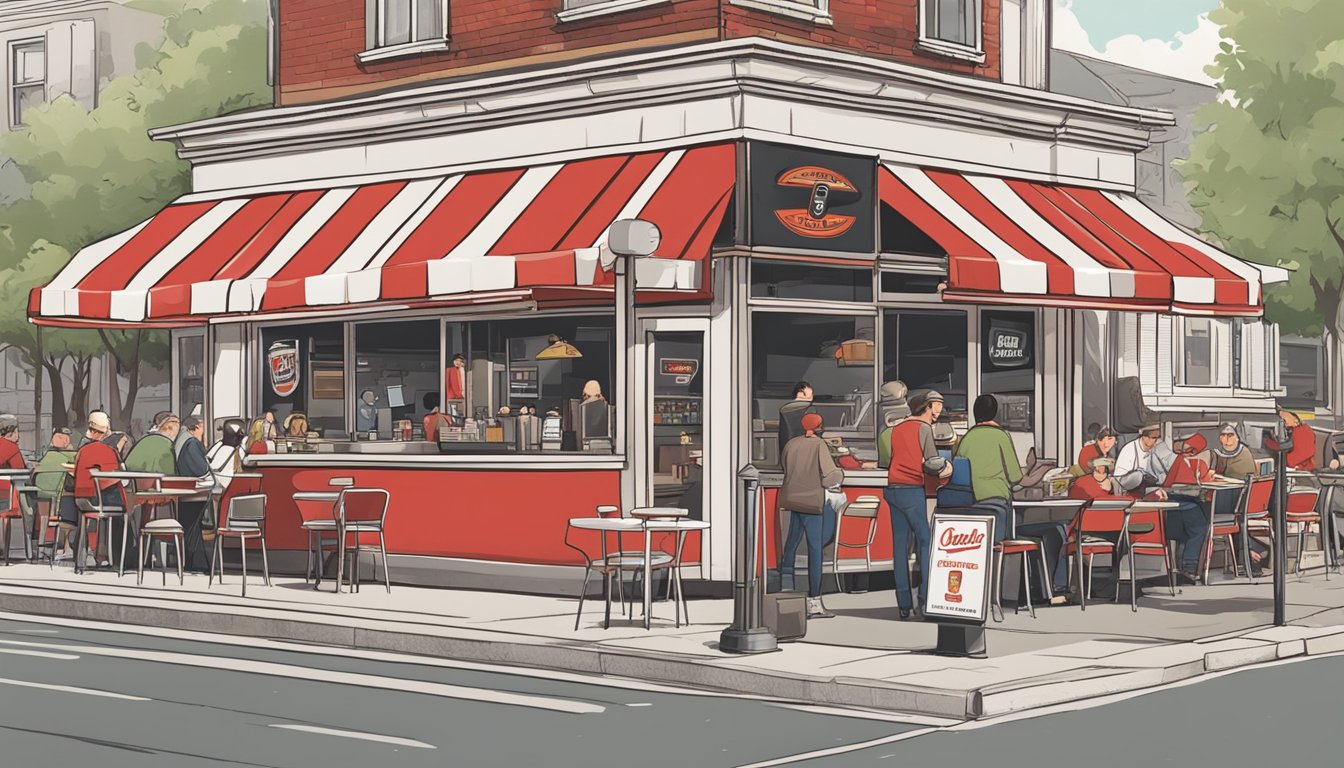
x: 245, y: 519
x: 1145, y: 534
x: 11, y: 509
x: 1301, y: 511
x: 863, y: 508
x: 361, y: 512
x: 1025, y: 548
x: 1100, y: 530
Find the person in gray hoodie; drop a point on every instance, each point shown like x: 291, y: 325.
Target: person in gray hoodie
x: 808, y: 471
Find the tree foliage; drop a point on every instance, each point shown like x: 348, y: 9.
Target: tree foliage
x: 1267, y: 171
x: 96, y: 172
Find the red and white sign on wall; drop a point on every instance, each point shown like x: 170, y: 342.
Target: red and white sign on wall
x: 959, y: 570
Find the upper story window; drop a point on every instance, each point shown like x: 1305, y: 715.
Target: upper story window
x: 817, y: 11
x: 401, y: 27
x: 952, y: 28
x: 28, y: 78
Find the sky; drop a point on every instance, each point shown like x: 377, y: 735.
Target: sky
x: 1174, y: 37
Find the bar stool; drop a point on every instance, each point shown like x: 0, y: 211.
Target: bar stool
x: 317, y: 528
x: 1025, y: 548
x: 864, y: 508
x: 245, y: 519
x: 11, y: 509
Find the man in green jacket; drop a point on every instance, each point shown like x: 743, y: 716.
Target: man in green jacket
x: 994, y: 471
x: 154, y: 452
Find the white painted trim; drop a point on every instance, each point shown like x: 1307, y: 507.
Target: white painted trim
x: 402, y: 50
x: 816, y: 12
x: 595, y: 10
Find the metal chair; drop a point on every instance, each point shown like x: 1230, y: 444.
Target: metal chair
x: 245, y: 519
x: 319, y: 528
x: 863, y: 508
x: 1301, y: 510
x: 1023, y: 547
x: 52, y: 483
x: 361, y: 511
x: 1253, y: 509
x: 1146, y: 534
x: 11, y: 509
x: 96, y: 512
x: 1098, y: 517
x: 616, y: 563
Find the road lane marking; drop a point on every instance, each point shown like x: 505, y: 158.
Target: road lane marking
x: 865, y: 714
x: 640, y: 704
x: 72, y: 689
x: 30, y: 631
x: 395, y: 741
x: 833, y: 751
x: 39, y: 654
x: 442, y: 690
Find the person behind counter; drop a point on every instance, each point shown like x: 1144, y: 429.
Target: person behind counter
x: 808, y: 473
x: 1303, y: 455
x: 10, y: 456
x: 455, y: 379
x: 913, y: 455
x: 296, y: 424
x: 435, y: 421
x: 791, y: 413
x: 366, y: 413
x: 256, y: 443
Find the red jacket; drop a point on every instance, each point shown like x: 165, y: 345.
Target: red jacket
x: 10, y: 458
x: 1087, y: 487
x: 99, y: 456
x: 1087, y: 454
x: 1187, y: 470
x: 453, y: 386
x: 1303, y: 455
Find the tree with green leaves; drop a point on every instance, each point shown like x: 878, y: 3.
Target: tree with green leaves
x: 1267, y: 171
x: 96, y: 172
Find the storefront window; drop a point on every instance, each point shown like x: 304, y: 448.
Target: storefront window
x: 396, y: 376
x: 191, y: 375
x: 1301, y: 370
x: 785, y: 280
x: 305, y: 373
x: 544, y: 383
x: 835, y: 355
x: 1207, y: 342
x: 927, y: 350
x: 1008, y: 366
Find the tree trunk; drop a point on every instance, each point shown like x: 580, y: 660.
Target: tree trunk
x: 38, y: 370
x: 122, y: 409
x: 81, y: 369
x: 60, y: 411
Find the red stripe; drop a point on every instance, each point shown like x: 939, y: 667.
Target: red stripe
x: 969, y: 266
x: 607, y: 205
x: 461, y: 211
x: 170, y: 300
x: 686, y: 196
x: 1059, y: 275
x: 699, y: 244
x: 283, y: 294
x: 337, y: 233
x: 226, y: 242
x: 1150, y: 280
x: 120, y: 267
x: 405, y: 281
x: 561, y: 203
x: 270, y: 234
x: 536, y: 269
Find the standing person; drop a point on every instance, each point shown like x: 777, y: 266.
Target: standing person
x: 366, y: 412
x: 790, y: 426
x: 10, y: 456
x: 808, y: 472
x: 94, y: 454
x: 1144, y: 464
x: 155, y: 451
x: 913, y: 455
x: 995, y: 469
x: 1230, y: 457
x: 1303, y: 455
x: 192, y: 462
x: 455, y: 380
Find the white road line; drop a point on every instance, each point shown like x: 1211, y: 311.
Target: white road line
x: 441, y: 690
x: 395, y: 741
x: 40, y: 654
x: 29, y: 631
x: 867, y: 714
x: 639, y: 704
x: 72, y: 689
x: 833, y: 751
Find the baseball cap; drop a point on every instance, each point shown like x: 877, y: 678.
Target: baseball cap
x: 811, y: 421
x: 921, y: 399
x: 99, y: 421
x: 1192, y: 443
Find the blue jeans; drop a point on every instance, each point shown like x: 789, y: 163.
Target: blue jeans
x: 1051, y: 535
x: 908, y: 517
x: 1188, y: 525
x: 819, y: 530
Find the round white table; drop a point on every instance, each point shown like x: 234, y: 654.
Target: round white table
x: 649, y: 520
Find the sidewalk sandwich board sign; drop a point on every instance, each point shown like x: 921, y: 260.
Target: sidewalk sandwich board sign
x: 960, y: 573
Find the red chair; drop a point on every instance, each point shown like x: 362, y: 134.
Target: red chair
x: 1100, y: 516
x: 1253, y: 509
x: 1302, y: 511
x: 1025, y: 548
x: 10, y: 510
x: 1145, y: 534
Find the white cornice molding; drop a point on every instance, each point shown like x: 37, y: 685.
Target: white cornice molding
x: 745, y: 68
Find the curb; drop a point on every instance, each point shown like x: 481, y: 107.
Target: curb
x: 1187, y: 660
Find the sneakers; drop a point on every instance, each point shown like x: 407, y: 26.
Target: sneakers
x: 815, y: 610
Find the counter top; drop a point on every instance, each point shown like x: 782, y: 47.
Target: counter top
x: 522, y: 461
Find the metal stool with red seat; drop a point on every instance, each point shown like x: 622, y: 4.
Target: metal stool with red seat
x: 1301, y: 509
x: 1023, y: 547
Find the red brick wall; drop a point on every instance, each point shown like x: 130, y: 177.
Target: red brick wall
x: 319, y: 39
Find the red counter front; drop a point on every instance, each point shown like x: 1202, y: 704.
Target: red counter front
x: 852, y: 531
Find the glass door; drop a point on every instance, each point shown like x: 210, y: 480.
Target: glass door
x: 676, y: 419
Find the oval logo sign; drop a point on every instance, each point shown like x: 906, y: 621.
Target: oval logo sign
x: 816, y: 220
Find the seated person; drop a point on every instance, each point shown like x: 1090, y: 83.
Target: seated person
x: 1188, y: 469
x: 1102, y: 444
x: 1303, y: 455
x: 1231, y: 457
x: 154, y: 452
x: 95, y: 454
x: 10, y: 456
x: 434, y: 419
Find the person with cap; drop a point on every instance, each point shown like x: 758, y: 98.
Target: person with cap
x: 10, y: 456
x: 1099, y: 483
x: 1303, y: 455
x: 1102, y: 444
x: 366, y: 412
x: 913, y: 456
x: 155, y: 451
x: 94, y: 454
x: 1143, y: 465
x: 1188, y: 468
x: 1231, y: 458
x: 808, y: 473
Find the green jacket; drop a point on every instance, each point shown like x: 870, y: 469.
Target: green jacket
x: 884, y: 448
x: 49, y: 475
x: 154, y: 453
x: 994, y: 465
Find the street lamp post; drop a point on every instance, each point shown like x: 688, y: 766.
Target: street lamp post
x: 1279, y: 443
x: 747, y: 635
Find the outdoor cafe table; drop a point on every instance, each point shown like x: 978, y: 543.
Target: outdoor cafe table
x: 329, y: 498
x: 15, y: 477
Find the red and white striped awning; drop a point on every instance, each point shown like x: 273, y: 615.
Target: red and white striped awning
x: 397, y: 241
x: 1024, y: 242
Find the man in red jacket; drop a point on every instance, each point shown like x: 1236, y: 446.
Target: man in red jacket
x: 10, y: 457
x: 913, y: 455
x: 94, y: 454
x: 1303, y: 455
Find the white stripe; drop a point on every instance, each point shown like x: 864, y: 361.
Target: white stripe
x: 585, y: 266
x: 181, y: 246
x: 39, y: 654
x: 413, y: 223
x: 72, y: 689
x: 1017, y: 273
x: 832, y: 751
x: 273, y: 669
x: 635, y: 205
x: 302, y: 231
x: 387, y: 223
x: 1164, y: 229
x: 58, y: 297
x: 354, y: 735
x: 485, y: 234
x: 1090, y: 278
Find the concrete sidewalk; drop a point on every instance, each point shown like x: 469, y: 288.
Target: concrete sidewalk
x: 864, y: 657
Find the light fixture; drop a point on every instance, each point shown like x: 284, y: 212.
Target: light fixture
x: 559, y: 349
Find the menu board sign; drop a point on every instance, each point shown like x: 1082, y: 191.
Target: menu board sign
x: 1008, y: 347
x: 959, y: 571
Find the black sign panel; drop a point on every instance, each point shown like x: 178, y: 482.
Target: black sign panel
x: 1008, y: 344
x: 813, y: 200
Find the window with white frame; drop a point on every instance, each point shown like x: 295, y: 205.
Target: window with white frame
x: 28, y: 78
x: 405, y: 22
x: 808, y: 10
x: 952, y: 27
x: 1205, y: 343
